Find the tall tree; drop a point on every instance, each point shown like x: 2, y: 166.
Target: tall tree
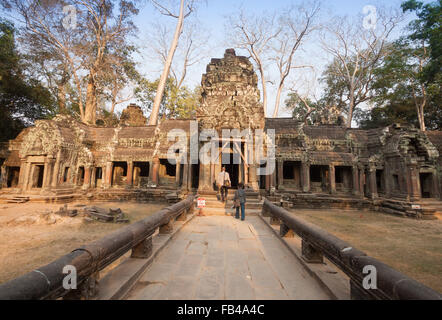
x: 186, y: 7
x: 298, y: 23
x: 254, y: 34
x: 22, y: 99
x: 80, y: 41
x: 176, y: 103
x: 357, y: 51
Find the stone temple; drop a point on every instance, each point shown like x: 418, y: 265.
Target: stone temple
x: 396, y: 169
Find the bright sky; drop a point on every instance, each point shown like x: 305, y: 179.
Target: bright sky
x: 212, y: 17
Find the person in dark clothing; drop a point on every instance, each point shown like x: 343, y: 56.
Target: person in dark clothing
x: 240, y: 201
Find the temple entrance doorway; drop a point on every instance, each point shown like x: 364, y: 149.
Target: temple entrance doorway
x: 232, y: 169
x: 37, y: 176
x: 426, y: 180
x: 319, y: 178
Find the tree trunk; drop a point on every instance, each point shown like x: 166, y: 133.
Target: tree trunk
x: 264, y: 90
x: 61, y: 97
x: 153, y: 120
x: 351, y: 108
x: 277, y: 102
x: 91, y: 101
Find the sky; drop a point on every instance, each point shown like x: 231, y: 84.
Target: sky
x: 212, y: 17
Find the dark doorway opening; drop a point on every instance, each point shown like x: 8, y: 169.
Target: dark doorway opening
x: 426, y: 180
x: 80, y: 176
x: 13, y: 175
x: 380, y: 181
x: 98, y: 176
x: 141, y: 173
x: 66, y: 174
x: 195, y: 175
x: 169, y: 169
x: 319, y: 178
x: 118, y: 172
x: 292, y: 174
x: 232, y: 168
x: 37, y: 179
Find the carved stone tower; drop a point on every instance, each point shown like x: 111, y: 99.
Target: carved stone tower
x: 230, y: 97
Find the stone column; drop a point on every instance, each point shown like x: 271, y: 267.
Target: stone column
x: 177, y: 173
x: 373, y: 183
x: 56, y: 171
x: 355, y: 173
x: 21, y: 177
x: 185, y: 184
x: 130, y: 173
x: 26, y: 173
x: 108, y: 177
x: 413, y: 182
x: 435, y: 181
x: 155, y: 170
x: 87, y: 177
x: 280, y: 174
x: 253, y: 177
x: 204, y: 177
x: 93, y: 177
x: 332, y: 177
x: 361, y: 182
x: 4, y: 178
x: 305, y: 176
x: 45, y: 174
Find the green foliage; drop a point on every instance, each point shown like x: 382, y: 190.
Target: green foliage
x: 22, y: 98
x: 177, y: 103
x: 428, y: 28
x: 410, y: 74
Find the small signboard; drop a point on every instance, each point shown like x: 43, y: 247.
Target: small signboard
x: 201, y: 202
x: 415, y: 206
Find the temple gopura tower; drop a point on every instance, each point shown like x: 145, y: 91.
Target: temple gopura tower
x: 393, y: 168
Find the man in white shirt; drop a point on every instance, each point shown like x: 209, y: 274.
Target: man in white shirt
x: 223, y: 182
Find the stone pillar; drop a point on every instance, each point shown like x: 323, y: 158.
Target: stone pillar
x: 26, y: 174
x: 435, y: 181
x: 413, y: 182
x: 4, y: 178
x: 280, y: 174
x: 178, y: 173
x: 56, y: 171
x: 108, y: 176
x: 21, y: 177
x: 204, y: 177
x: 46, y: 173
x: 305, y: 176
x: 361, y: 182
x: 130, y: 173
x: 332, y: 177
x: 156, y: 170
x: 373, y: 183
x: 355, y: 173
x: 87, y: 177
x: 253, y: 177
x: 185, y: 185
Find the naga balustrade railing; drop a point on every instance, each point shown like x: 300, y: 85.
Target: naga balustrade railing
x: 317, y: 243
x: 47, y: 282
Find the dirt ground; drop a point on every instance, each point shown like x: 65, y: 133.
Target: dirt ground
x: 414, y: 247
x: 31, y: 237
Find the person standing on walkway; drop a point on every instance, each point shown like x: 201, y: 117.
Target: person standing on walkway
x: 223, y: 183
x: 239, y: 200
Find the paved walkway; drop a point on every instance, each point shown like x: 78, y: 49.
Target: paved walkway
x: 219, y: 257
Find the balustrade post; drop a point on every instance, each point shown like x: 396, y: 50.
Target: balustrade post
x: 285, y: 231
x: 167, y: 228
x: 310, y: 254
x: 143, y: 250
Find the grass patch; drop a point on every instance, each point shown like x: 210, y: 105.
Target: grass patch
x: 413, y: 247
